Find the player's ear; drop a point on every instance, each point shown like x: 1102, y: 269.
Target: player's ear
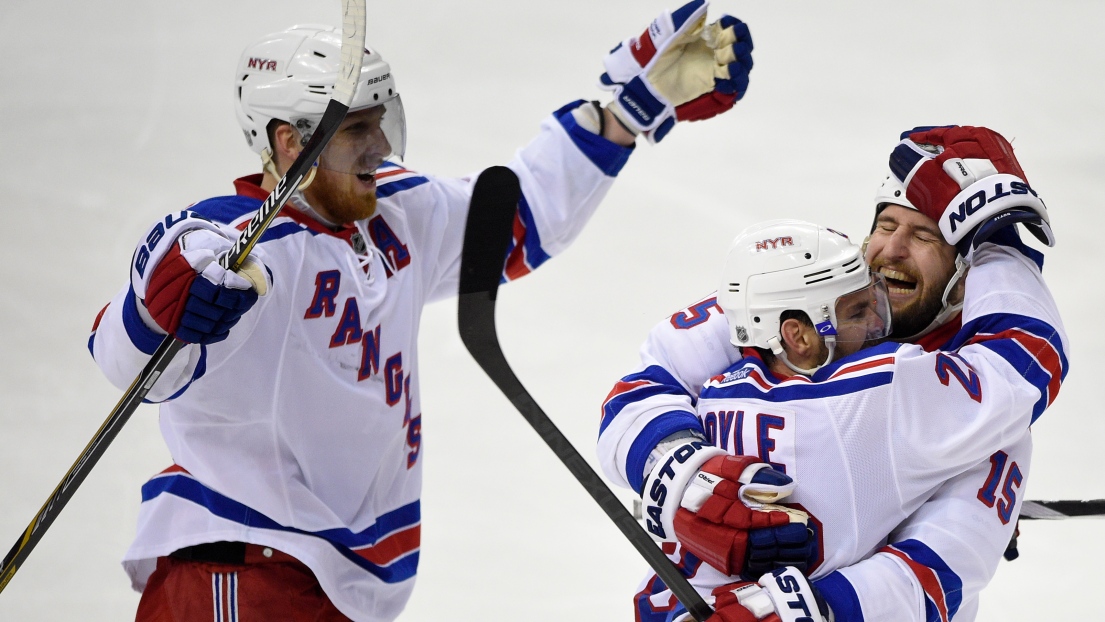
x: 799, y: 339
x: 286, y: 145
x: 802, y: 343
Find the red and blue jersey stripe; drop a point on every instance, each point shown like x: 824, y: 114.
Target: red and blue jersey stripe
x: 388, y: 549
x: 750, y: 379
x: 942, y: 586
x: 651, y: 382
x: 1033, y: 347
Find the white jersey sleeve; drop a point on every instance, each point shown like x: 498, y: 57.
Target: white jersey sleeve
x: 135, y: 334
x: 564, y: 172
x: 939, y: 559
x: 658, y: 399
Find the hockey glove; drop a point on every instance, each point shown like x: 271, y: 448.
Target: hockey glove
x: 190, y: 296
x: 784, y: 595
x: 679, y: 69
x: 721, y: 509
x: 968, y: 181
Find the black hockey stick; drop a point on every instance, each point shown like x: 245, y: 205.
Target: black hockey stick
x: 352, y: 55
x: 1051, y: 510
x: 488, y: 233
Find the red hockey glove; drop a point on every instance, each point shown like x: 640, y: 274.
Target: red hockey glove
x: 784, y: 595
x: 713, y: 504
x: 968, y: 181
x: 190, y: 296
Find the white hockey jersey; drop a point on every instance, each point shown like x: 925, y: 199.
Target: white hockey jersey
x: 302, y: 430
x: 889, y: 447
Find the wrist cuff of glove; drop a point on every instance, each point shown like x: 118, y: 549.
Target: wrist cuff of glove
x: 618, y: 113
x: 794, y: 597
x: 984, y: 199
x: 665, y: 486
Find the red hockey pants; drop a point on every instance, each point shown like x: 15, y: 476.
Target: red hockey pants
x: 266, y: 586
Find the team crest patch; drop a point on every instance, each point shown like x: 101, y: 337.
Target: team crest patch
x: 359, y: 245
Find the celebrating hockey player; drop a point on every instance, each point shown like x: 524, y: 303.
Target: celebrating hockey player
x: 293, y: 417
x: 909, y: 461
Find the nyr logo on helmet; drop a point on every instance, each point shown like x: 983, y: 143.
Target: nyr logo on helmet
x: 774, y: 243
x: 982, y: 197
x: 262, y: 64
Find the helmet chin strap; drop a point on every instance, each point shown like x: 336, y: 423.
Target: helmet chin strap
x: 268, y: 165
x: 781, y: 354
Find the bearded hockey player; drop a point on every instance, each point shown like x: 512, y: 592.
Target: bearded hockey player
x: 909, y: 462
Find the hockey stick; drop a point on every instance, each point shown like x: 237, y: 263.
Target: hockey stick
x: 1051, y: 510
x: 352, y: 54
x: 488, y: 233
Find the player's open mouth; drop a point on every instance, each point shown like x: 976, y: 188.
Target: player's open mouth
x: 898, y: 282
x: 367, y: 178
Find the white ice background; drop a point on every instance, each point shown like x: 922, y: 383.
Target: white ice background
x: 115, y: 113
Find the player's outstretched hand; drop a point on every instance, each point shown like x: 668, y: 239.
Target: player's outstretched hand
x: 968, y: 180
x: 783, y: 595
x: 722, y: 509
x: 190, y: 296
x: 679, y: 69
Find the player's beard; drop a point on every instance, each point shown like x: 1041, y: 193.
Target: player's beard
x: 916, y: 315
x: 340, y: 198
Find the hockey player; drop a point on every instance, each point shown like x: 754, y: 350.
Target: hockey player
x: 294, y: 418
x: 937, y: 559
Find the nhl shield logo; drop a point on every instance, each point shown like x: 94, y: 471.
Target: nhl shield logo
x: 359, y: 245
x: 742, y: 334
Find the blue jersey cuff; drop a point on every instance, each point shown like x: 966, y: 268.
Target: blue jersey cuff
x: 143, y: 338
x: 655, y: 431
x: 610, y: 157
x: 841, y: 597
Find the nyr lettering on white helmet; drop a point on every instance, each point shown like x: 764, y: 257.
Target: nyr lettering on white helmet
x: 262, y: 64
x: 974, y: 202
x: 766, y: 245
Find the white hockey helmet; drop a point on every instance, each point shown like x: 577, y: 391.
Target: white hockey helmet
x: 290, y: 76
x: 784, y: 265
x: 891, y: 192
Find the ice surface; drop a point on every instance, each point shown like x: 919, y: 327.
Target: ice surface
x: 115, y: 113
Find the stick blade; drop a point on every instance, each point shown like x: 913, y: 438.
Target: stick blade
x: 1051, y: 510
x: 488, y: 231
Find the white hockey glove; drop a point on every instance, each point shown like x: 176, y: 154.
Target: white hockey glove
x: 968, y: 181
x: 783, y: 595
x: 721, y: 508
x: 679, y: 69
